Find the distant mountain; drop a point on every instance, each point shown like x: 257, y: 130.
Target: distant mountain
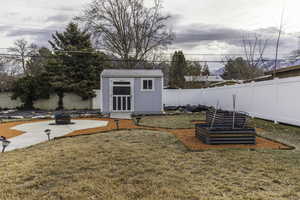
x: 218, y: 72
x: 269, y: 65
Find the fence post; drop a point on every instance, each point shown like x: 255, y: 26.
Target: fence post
x: 252, y: 99
x: 276, y: 110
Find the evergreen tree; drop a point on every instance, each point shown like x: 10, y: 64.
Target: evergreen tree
x: 193, y: 69
x: 34, y: 84
x: 240, y: 70
x: 37, y: 63
x: 176, y: 77
x: 76, y: 65
x: 29, y: 89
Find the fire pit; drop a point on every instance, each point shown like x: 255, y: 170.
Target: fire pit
x: 62, y: 119
x: 225, y: 127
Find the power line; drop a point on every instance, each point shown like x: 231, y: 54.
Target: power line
x: 147, y: 61
x: 186, y: 54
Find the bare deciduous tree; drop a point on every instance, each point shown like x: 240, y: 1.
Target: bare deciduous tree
x: 254, y: 49
x: 127, y: 28
x: 6, y: 78
x: 21, y: 51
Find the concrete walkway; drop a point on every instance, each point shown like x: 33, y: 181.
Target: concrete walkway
x: 34, y: 132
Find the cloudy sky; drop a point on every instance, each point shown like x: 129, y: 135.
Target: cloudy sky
x: 201, y: 26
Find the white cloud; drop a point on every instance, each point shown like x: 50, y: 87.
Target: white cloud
x: 201, y: 26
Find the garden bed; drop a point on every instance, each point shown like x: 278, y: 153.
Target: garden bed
x: 188, y: 138
x: 225, y: 135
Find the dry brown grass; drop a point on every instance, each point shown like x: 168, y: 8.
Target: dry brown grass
x: 145, y: 165
x: 285, y: 133
x: 172, y: 121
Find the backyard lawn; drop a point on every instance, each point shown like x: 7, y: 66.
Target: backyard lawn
x: 284, y: 133
x: 280, y: 132
x: 173, y: 121
x: 149, y: 165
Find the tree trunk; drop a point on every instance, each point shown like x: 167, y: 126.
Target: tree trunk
x: 28, y: 105
x: 60, y: 101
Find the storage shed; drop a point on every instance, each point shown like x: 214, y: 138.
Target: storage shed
x: 131, y: 91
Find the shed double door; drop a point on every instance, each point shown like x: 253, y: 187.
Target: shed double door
x: 121, y: 97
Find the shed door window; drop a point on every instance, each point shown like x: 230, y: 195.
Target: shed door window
x: 147, y: 84
x: 117, y: 90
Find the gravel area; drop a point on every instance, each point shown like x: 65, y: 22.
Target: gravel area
x: 45, y: 114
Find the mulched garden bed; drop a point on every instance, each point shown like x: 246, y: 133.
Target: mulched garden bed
x: 187, y: 137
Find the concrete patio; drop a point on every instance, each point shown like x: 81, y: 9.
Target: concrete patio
x: 34, y: 132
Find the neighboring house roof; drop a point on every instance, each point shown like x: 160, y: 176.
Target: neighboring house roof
x: 203, y: 78
x: 260, y: 78
x: 124, y: 73
x: 226, y: 82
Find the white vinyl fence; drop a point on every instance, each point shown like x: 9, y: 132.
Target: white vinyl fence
x: 71, y: 101
x: 277, y: 100
x: 96, y: 101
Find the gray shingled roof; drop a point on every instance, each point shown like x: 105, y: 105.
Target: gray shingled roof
x: 124, y: 73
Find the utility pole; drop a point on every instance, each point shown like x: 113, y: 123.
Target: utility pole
x: 298, y: 48
x: 278, y: 41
